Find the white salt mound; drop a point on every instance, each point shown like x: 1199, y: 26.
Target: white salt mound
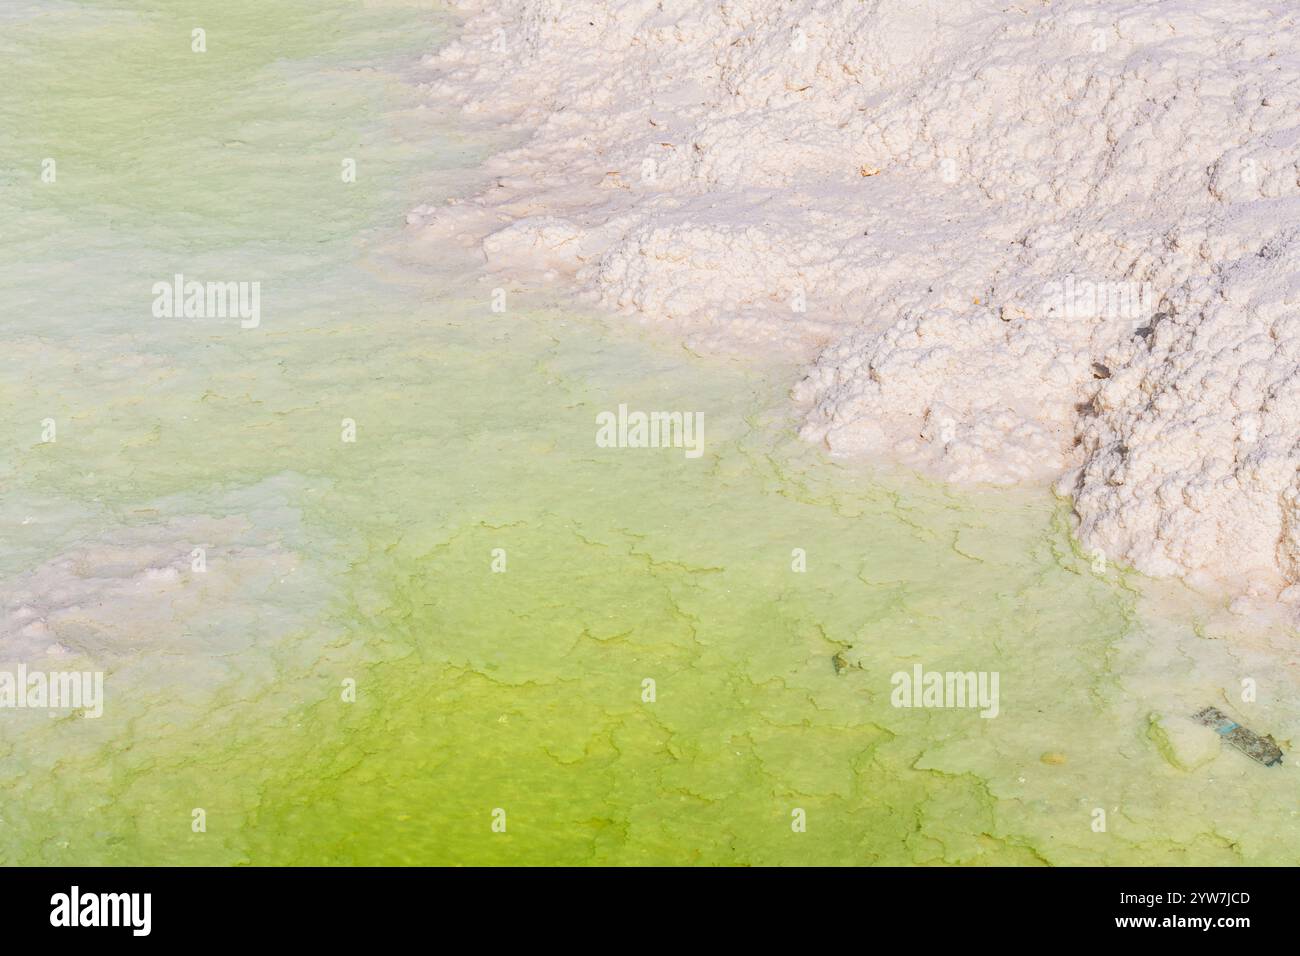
x: 1016, y: 240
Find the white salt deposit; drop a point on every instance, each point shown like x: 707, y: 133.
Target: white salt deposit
x: 1015, y: 240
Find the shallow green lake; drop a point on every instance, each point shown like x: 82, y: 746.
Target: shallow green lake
x: 432, y: 644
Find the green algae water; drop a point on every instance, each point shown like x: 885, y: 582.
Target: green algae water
x: 366, y: 590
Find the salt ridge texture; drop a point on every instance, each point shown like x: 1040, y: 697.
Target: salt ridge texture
x: 1015, y: 240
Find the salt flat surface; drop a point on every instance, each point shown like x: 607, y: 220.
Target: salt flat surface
x: 1015, y: 240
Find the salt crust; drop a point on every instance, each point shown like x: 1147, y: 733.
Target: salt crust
x: 924, y: 178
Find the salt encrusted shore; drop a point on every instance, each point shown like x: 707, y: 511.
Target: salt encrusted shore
x: 1014, y: 241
